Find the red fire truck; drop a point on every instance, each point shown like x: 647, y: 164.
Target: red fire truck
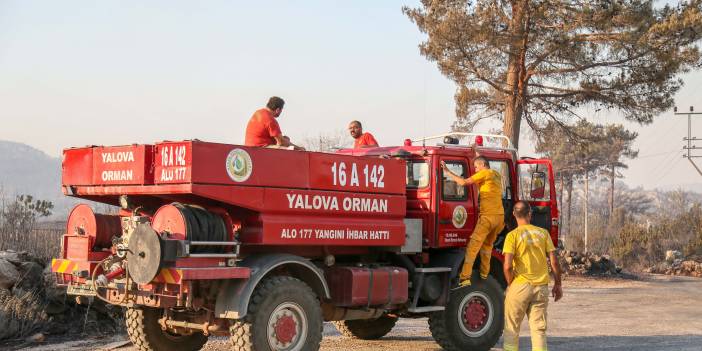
x: 264, y: 245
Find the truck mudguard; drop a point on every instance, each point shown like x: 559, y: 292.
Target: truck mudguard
x: 233, y: 298
x: 448, y: 258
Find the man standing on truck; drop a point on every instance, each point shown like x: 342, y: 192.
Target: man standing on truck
x: 263, y: 128
x: 491, y: 220
x: 526, y: 272
x: 361, y: 139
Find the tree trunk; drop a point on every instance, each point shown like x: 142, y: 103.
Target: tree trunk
x: 516, y: 80
x: 560, y: 204
x: 611, y: 191
x: 513, y: 120
x: 560, y: 193
x: 587, y: 195
x: 570, y: 202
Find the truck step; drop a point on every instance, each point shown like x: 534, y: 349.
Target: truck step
x: 424, y: 309
x: 433, y: 270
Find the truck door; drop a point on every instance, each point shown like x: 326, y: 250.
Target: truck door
x: 507, y: 170
x: 419, y: 196
x: 455, y: 213
x: 537, y: 186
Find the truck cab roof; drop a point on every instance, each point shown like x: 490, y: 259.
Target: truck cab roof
x: 501, y: 147
x: 442, y: 149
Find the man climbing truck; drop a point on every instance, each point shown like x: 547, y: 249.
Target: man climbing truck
x: 264, y: 245
x: 491, y: 220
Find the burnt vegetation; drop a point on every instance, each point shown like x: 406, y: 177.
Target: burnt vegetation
x: 30, y: 302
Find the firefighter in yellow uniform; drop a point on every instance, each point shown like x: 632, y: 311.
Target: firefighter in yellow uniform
x: 526, y: 271
x: 491, y: 220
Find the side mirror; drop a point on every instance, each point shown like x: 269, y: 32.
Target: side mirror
x: 538, y: 185
x: 450, y: 140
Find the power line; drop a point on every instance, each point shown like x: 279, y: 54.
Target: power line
x: 664, y: 134
x: 657, y: 154
x: 670, y: 168
x: 663, y: 164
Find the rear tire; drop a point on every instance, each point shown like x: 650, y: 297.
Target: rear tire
x: 146, y: 334
x: 284, y: 314
x: 366, y: 329
x: 473, y: 318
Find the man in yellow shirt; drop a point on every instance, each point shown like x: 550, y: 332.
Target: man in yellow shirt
x: 526, y: 272
x: 491, y: 220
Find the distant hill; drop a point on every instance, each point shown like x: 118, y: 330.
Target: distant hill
x: 694, y: 187
x: 26, y: 170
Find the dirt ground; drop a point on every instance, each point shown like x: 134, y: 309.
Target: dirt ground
x: 655, y: 313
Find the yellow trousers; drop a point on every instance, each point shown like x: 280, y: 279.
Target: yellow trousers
x: 531, y: 300
x: 484, y: 235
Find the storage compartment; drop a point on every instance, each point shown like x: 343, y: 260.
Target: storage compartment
x: 78, y: 248
x: 108, y: 165
x: 123, y: 165
x: 359, y: 286
x: 77, y: 166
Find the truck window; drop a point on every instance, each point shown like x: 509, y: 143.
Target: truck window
x: 502, y: 167
x: 417, y: 174
x: 451, y: 191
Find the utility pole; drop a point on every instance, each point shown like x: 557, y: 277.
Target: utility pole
x: 690, y: 146
x: 587, y: 197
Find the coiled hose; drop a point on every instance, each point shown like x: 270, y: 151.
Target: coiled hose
x: 203, y: 225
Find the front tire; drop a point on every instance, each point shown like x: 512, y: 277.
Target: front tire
x: 473, y: 318
x: 284, y: 315
x: 366, y: 329
x: 146, y: 334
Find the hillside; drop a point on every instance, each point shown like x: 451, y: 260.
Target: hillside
x: 26, y: 170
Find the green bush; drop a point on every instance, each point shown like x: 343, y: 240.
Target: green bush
x: 641, y: 245
x: 694, y: 225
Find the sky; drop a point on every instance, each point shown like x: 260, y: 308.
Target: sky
x: 76, y: 73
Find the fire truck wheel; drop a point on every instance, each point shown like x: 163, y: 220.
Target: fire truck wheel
x: 284, y: 314
x: 366, y: 329
x: 473, y: 318
x: 146, y: 334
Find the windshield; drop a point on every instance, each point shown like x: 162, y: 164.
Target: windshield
x: 417, y: 174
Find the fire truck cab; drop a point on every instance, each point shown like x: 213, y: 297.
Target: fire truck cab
x: 449, y: 212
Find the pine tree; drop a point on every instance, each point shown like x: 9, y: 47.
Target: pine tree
x: 618, y: 144
x: 577, y: 151
x: 541, y: 60
x: 559, y: 147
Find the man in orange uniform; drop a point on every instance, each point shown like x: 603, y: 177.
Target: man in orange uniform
x: 361, y: 139
x: 491, y: 220
x: 264, y: 130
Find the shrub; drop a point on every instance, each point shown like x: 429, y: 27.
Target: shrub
x: 20, y: 230
x: 640, y: 245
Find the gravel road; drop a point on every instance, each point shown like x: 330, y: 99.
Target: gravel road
x: 655, y: 313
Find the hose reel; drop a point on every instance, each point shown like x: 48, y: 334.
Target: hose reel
x: 188, y: 222
x: 145, y: 255
x: 172, y: 222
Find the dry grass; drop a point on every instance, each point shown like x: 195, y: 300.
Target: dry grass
x: 36, y: 304
x: 21, y: 315
x: 42, y: 241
